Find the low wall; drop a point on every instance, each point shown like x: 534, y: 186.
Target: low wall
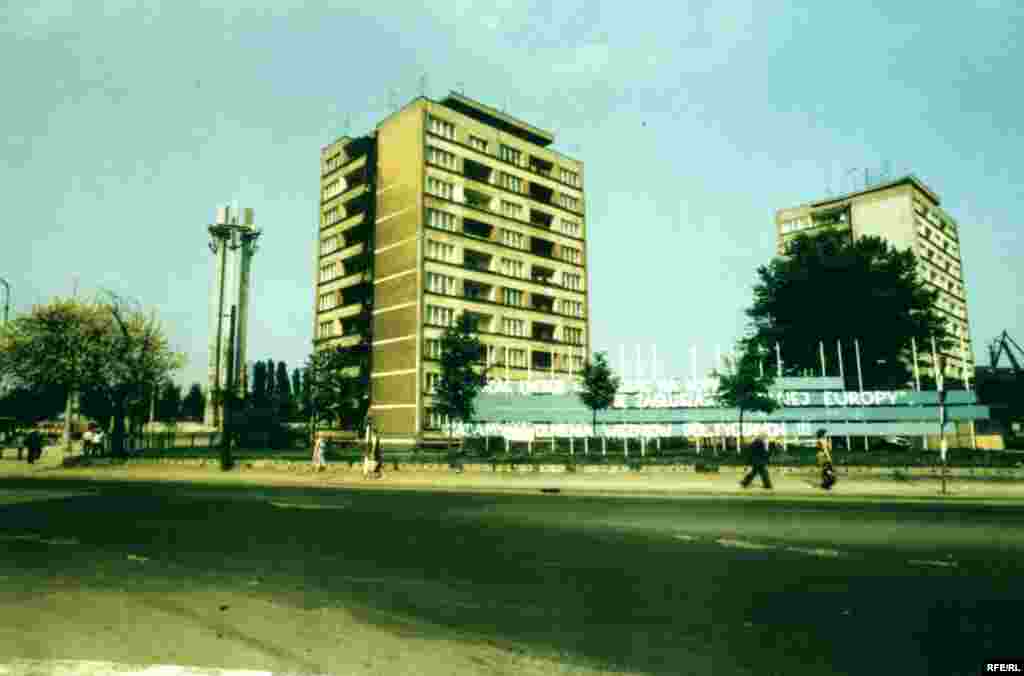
x: 549, y: 469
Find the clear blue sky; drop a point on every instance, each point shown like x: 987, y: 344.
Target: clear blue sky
x: 124, y: 128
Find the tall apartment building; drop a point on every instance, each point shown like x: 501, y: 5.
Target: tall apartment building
x: 450, y: 207
x: 906, y: 213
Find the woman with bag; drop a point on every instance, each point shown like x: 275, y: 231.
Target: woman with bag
x: 824, y: 458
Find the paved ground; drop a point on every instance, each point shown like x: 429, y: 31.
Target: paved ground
x: 339, y: 580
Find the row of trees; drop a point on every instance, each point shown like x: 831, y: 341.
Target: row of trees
x: 108, y: 353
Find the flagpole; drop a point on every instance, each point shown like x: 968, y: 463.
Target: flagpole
x: 917, y: 370
x: 860, y: 377
x: 842, y: 377
x: 778, y: 358
x: 821, y: 350
x: 935, y: 362
x: 963, y: 360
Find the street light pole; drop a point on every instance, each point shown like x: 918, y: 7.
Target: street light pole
x: 943, y: 445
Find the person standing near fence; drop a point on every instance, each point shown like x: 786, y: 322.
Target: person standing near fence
x: 34, y: 443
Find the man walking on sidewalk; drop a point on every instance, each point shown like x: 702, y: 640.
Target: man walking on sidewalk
x: 824, y: 458
x: 758, y: 464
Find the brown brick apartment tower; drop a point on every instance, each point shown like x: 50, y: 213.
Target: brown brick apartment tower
x: 450, y: 207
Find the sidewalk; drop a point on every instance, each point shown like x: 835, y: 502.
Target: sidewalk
x: 796, y: 485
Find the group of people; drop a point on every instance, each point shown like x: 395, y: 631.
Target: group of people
x: 372, y: 462
x: 760, y: 452
x: 92, y: 440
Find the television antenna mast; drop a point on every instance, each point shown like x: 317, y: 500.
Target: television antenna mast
x: 423, y: 85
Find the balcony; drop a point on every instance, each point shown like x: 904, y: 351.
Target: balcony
x: 541, y: 218
x: 542, y: 302
x: 478, y: 321
x: 542, y: 331
x: 541, y: 193
x: 542, y: 361
x: 540, y: 165
x: 476, y: 291
x: 477, y: 171
x: 475, y: 260
x: 539, y: 273
x: 542, y: 247
x: 477, y: 199
x: 475, y: 228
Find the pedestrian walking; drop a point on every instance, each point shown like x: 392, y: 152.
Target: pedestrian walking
x: 98, y: 439
x: 377, y: 461
x: 368, y: 448
x: 824, y: 459
x: 758, y: 464
x: 319, y: 448
x: 34, y: 443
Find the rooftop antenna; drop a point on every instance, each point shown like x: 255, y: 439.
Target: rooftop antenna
x: 461, y: 88
x: 423, y: 86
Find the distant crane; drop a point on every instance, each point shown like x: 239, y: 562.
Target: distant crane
x: 1002, y: 344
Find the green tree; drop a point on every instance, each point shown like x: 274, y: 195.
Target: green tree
x: 194, y: 404
x: 297, y: 407
x: 269, y: 391
x: 55, y: 346
x: 743, y: 386
x: 169, y: 403
x: 283, y: 391
x: 829, y: 289
x: 338, y: 381
x: 259, y: 384
x: 462, y: 374
x: 599, y: 385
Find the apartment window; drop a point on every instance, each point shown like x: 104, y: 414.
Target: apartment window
x: 570, y: 254
x: 571, y: 281
x: 513, y: 268
x: 511, y: 209
x: 577, y: 362
x: 327, y: 300
x: 573, y: 336
x: 510, y: 182
x: 333, y: 162
x: 570, y: 228
x: 514, y: 297
x: 513, y: 327
x: 569, y: 202
x: 329, y: 245
x: 516, y: 357
x: 432, y: 380
x: 442, y: 128
x: 436, y: 186
x: 440, y: 250
x: 441, y: 219
x: 329, y: 271
x: 513, y: 239
x: 441, y: 283
x: 332, y: 215
x: 440, y: 157
x: 433, y: 348
x: 478, y: 143
x: 442, y: 316
x: 570, y: 177
x: 332, y: 189
x: 572, y: 307
x: 325, y: 329
x: 510, y: 154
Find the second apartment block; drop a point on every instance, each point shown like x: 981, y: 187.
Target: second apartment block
x: 906, y: 213
x: 451, y: 207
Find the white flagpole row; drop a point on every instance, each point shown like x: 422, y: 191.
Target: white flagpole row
x: 821, y: 351
x: 778, y: 359
x: 860, y: 376
x: 917, y: 370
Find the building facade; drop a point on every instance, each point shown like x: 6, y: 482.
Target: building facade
x: 906, y: 213
x: 450, y: 207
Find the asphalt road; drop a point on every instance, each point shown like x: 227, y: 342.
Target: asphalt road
x: 356, y: 581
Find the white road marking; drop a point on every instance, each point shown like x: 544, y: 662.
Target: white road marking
x: 91, y: 668
x: 685, y: 538
x: 829, y: 553
x: 32, y: 537
x: 136, y: 557
x: 925, y: 562
x: 300, y: 505
x: 742, y: 544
